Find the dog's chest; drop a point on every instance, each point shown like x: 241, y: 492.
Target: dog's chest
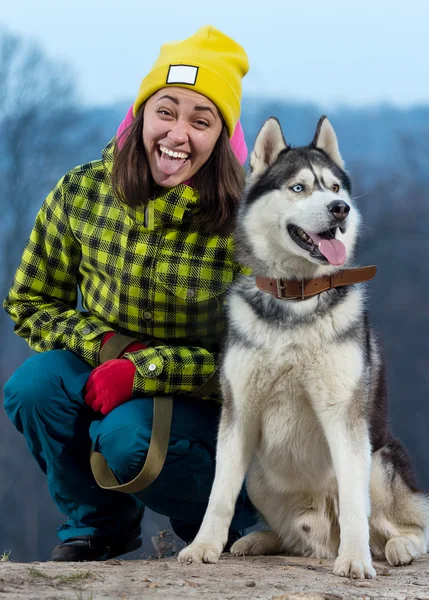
x: 294, y: 351
x: 292, y: 444
x: 290, y: 356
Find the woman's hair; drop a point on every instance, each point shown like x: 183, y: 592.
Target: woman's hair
x: 220, y: 181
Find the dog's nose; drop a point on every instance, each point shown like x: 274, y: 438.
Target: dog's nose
x: 339, y: 209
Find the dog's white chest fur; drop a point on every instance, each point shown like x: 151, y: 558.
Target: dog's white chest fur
x: 297, y: 360
x: 295, y: 379
x: 296, y: 455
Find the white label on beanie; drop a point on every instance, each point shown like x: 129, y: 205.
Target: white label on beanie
x: 182, y: 74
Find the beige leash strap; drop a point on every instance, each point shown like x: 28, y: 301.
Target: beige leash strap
x: 210, y: 386
x: 118, y: 343
x: 161, y: 425
x: 113, y: 347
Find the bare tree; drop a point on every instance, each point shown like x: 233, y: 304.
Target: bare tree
x: 42, y: 134
x: 40, y: 131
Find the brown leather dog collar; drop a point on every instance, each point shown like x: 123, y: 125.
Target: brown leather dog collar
x: 293, y: 289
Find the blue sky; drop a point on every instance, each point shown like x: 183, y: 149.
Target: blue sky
x: 331, y: 52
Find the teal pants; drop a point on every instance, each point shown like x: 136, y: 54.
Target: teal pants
x: 43, y: 398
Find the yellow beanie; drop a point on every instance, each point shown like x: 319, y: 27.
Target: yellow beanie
x: 210, y: 63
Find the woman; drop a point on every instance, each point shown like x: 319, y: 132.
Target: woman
x: 145, y: 234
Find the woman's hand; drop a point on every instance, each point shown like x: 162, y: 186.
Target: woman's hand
x: 110, y: 385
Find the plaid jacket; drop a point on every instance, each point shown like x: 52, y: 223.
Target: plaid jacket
x: 141, y: 272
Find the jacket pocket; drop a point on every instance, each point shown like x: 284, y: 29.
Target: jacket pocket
x: 195, y: 289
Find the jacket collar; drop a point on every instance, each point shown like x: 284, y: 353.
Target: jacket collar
x: 169, y: 206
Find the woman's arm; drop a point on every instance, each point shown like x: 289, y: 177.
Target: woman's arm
x: 43, y: 298
x: 173, y: 370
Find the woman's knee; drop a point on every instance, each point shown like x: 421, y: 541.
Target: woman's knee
x: 43, y: 379
x: 125, y: 450
x: 124, y: 435
x: 188, y: 467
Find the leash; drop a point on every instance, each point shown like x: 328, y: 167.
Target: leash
x: 155, y: 458
x: 158, y: 447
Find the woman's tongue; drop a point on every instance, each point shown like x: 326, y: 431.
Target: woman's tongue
x: 333, y: 250
x: 170, y: 165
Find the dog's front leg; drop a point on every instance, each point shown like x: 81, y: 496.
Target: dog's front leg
x: 348, y: 439
x: 234, y: 451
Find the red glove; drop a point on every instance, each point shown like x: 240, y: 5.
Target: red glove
x: 111, y: 383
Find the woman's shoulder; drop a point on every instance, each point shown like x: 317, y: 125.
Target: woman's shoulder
x: 94, y: 172
x: 87, y: 183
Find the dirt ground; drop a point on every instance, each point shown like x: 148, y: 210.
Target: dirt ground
x: 233, y: 578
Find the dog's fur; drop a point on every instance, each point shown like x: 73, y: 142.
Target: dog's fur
x: 304, y: 385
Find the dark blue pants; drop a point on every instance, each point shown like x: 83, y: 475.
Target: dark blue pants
x: 43, y: 398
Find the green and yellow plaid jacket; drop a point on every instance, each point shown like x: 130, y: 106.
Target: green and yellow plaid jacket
x: 141, y: 272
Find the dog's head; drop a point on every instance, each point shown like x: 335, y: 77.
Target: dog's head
x: 297, y: 217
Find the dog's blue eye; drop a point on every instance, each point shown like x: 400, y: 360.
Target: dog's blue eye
x: 297, y: 188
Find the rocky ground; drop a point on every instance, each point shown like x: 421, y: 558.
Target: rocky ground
x: 233, y: 578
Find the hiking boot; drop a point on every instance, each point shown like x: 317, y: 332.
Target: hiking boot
x: 87, y: 548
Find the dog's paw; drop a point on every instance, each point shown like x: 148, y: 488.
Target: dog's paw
x: 258, y: 542
x: 400, y: 551
x: 354, y: 567
x: 199, y: 552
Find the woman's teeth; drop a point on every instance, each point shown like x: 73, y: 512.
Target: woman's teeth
x: 165, y: 150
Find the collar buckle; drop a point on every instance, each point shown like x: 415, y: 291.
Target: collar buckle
x: 302, y: 289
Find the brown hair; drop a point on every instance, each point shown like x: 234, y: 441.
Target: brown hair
x: 220, y: 181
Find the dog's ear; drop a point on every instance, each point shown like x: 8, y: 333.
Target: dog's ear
x: 326, y: 139
x: 268, y: 145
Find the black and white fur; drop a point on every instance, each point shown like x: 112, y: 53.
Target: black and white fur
x: 305, y: 408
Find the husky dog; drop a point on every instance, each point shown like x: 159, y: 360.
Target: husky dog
x: 305, y: 407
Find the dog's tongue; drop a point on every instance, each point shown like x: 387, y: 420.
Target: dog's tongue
x: 332, y: 249
x: 170, y: 165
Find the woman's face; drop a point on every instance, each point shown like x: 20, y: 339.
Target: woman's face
x: 180, y: 130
